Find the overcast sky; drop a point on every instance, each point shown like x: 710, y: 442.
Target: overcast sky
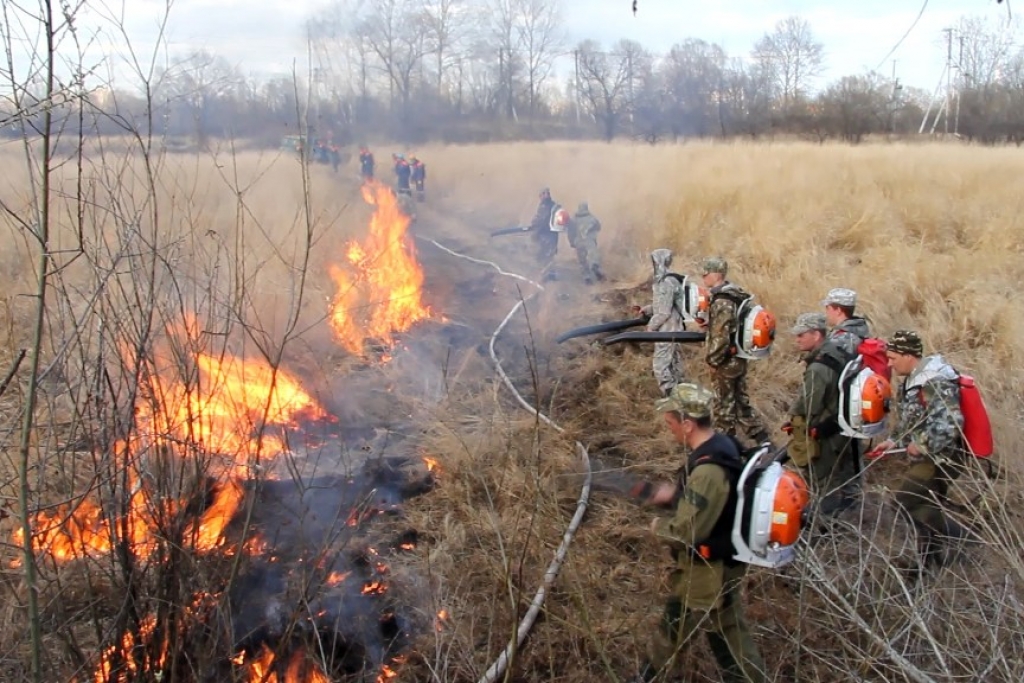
x: 264, y: 36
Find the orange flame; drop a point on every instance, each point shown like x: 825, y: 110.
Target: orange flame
x: 130, y: 666
x: 222, y: 415
x: 374, y: 588
x: 337, y: 577
x: 386, y: 285
x: 431, y: 464
x: 263, y: 669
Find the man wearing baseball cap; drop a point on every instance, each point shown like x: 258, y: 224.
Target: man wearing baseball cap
x: 847, y: 329
x: 733, y: 411
x: 816, y: 442
x: 706, y: 590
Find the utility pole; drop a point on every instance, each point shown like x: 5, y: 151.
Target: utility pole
x: 894, y: 98
x: 949, y: 75
x: 944, y: 102
x: 576, y: 83
x: 629, y: 83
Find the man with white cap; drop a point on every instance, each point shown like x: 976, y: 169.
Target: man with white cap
x: 847, y: 329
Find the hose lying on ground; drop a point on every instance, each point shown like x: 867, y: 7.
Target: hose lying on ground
x: 498, y: 667
x: 678, y: 337
x: 613, y: 326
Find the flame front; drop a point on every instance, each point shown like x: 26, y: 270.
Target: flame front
x: 381, y: 293
x: 225, y: 414
x: 264, y: 669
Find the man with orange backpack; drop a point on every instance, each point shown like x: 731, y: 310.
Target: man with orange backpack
x: 930, y: 428
x: 728, y: 365
x: 817, y: 442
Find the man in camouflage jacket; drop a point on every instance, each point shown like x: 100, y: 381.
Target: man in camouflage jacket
x: 706, y: 582
x: 847, y: 330
x: 582, y: 233
x: 728, y: 371
x: 815, y: 439
x: 665, y: 317
x: 930, y: 427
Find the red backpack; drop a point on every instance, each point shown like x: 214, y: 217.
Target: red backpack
x: 872, y: 350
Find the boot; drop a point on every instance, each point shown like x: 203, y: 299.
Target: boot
x: 598, y: 274
x: 932, y: 549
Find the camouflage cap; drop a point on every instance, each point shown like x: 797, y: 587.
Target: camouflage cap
x: 691, y: 400
x: 715, y: 264
x: 840, y: 296
x: 807, y: 322
x: 906, y: 342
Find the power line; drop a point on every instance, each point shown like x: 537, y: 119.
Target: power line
x: 900, y: 41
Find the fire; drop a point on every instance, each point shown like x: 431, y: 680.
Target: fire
x: 106, y: 672
x: 431, y: 464
x: 337, y: 577
x: 264, y: 669
x: 223, y: 414
x: 439, y: 621
x: 380, y: 293
x: 387, y: 673
x: 374, y: 588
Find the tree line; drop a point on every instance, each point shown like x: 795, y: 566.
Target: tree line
x: 464, y: 71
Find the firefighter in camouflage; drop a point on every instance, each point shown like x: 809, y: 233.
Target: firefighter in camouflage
x: 728, y: 371
x: 930, y: 426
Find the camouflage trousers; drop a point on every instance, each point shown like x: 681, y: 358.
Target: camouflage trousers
x: 589, y: 258
x: 721, y: 620
x: 668, y: 366
x: 732, y: 409
x: 923, y: 493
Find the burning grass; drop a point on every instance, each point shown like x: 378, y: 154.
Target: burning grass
x: 928, y: 235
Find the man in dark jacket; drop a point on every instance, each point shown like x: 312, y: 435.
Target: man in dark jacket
x: 816, y: 442
x: 544, y: 238
x: 706, y: 591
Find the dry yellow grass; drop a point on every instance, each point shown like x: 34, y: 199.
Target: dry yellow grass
x: 930, y: 236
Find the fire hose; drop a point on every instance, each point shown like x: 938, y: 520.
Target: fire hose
x: 613, y: 326
x: 498, y: 667
x: 677, y: 337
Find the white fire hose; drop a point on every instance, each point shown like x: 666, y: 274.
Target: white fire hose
x: 497, y: 668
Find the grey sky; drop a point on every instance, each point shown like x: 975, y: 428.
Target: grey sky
x: 265, y: 36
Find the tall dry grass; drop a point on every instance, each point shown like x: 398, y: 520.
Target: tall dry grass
x: 930, y: 238
x: 928, y: 235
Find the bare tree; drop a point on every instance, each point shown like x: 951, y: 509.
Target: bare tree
x: 506, y: 41
x: 983, y: 50
x: 607, y: 80
x: 855, y: 106
x: 694, y: 72
x: 542, y: 39
x: 448, y: 24
x: 394, y: 32
x: 791, y: 56
x: 198, y: 83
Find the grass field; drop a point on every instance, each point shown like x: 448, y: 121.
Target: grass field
x: 929, y: 235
